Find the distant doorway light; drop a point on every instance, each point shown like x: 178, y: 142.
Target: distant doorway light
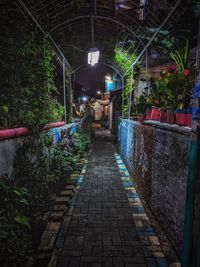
x: 108, y: 78
x: 84, y: 98
x: 93, y: 56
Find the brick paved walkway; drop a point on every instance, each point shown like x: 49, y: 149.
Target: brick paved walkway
x: 102, y: 230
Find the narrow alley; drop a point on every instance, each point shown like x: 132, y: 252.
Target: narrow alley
x: 100, y: 133
x: 108, y: 224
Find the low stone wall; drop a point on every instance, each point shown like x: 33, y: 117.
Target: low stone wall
x: 158, y: 160
x: 10, y: 146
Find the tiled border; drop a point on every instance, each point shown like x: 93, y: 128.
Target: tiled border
x: 151, y: 245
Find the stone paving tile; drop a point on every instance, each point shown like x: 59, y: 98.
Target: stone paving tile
x: 108, y: 225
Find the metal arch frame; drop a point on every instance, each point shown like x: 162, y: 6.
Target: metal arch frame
x: 98, y: 17
x: 21, y: 3
x: 155, y: 34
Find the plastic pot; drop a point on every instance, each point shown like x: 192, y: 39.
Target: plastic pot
x: 163, y: 116
x: 170, y: 117
x: 155, y: 114
x: 148, y: 115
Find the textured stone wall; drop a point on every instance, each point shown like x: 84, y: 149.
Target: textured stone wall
x: 158, y: 160
x: 144, y: 138
x: 169, y: 181
x: 9, y: 147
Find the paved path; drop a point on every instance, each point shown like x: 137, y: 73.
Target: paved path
x: 104, y: 227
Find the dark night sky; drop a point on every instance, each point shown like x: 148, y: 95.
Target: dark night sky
x: 89, y: 77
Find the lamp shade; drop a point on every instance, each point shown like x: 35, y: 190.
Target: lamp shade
x: 93, y: 56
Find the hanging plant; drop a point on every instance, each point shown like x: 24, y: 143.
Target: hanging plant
x: 124, y: 60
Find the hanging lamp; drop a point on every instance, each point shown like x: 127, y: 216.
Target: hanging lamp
x: 93, y: 53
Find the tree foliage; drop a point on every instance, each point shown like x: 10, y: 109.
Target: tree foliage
x: 26, y: 73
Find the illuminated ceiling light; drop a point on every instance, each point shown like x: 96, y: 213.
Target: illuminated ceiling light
x: 93, y: 53
x: 98, y: 92
x: 124, y: 4
x: 93, y: 56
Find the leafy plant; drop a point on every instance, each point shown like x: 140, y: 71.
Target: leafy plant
x: 141, y: 104
x: 34, y: 176
x: 14, y: 224
x: 124, y: 60
x: 27, y: 73
x: 181, y: 56
x: 176, y: 87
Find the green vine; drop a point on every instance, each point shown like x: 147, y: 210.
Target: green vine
x: 124, y: 60
x: 27, y: 73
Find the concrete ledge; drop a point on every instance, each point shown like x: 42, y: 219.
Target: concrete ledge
x: 49, y: 237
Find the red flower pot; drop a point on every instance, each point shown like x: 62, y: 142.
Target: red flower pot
x: 155, y: 114
x: 170, y: 117
x: 181, y: 119
x: 148, y: 115
x: 163, y: 116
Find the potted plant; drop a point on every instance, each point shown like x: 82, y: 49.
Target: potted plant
x: 140, y: 107
x: 156, y: 99
x: 184, y: 81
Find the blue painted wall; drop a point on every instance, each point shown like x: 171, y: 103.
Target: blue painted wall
x: 162, y: 177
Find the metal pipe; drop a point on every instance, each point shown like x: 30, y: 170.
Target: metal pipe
x: 195, y: 126
x: 92, y: 28
x: 155, y: 34
x: 103, y: 18
x: 130, y: 95
x: 146, y: 67
x: 95, y: 8
x: 122, y: 99
x: 71, y: 95
x: 189, y: 205
x: 64, y: 91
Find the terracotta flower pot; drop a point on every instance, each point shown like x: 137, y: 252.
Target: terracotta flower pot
x: 148, y: 115
x: 170, y: 117
x: 181, y: 117
x: 155, y: 114
x: 163, y: 116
